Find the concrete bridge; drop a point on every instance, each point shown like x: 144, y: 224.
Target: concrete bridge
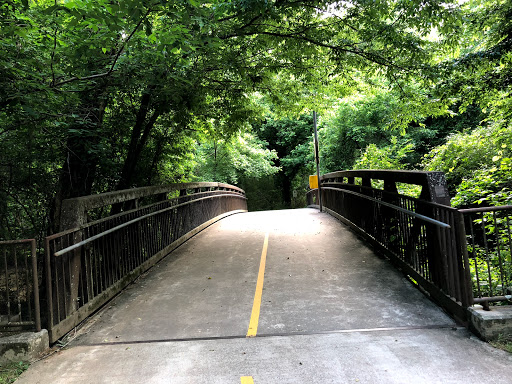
x: 273, y: 297
x: 294, y: 296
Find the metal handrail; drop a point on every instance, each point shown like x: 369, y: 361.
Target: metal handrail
x: 424, y: 239
x: 432, y: 204
x: 89, y: 265
x: 486, y: 209
x: 490, y: 252
x: 128, y: 223
x: 35, y: 281
x: 74, y: 210
x: 408, y: 212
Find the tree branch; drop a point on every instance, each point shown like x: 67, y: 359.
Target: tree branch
x: 372, y: 57
x: 105, y: 74
x: 52, y: 56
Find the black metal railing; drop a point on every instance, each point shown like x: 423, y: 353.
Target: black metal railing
x: 489, y: 242
x: 19, y: 286
x: 88, y: 265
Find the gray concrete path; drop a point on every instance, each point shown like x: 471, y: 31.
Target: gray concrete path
x: 331, y: 312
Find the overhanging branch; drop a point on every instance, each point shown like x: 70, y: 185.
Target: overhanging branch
x: 105, y: 74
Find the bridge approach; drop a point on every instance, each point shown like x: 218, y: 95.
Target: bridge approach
x: 329, y: 311
x: 302, y: 280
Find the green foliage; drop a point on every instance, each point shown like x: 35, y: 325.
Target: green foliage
x: 10, y: 372
x: 393, y: 156
x: 373, y: 119
x: 358, y: 123
x: 286, y: 136
x: 462, y: 154
x: 487, y: 187
x: 99, y: 95
x: 477, y: 164
x: 389, y: 157
x: 263, y: 193
x: 503, y: 342
x: 492, y: 268
x: 479, y: 71
x: 290, y: 139
x: 490, y: 256
x: 230, y: 160
x: 300, y: 185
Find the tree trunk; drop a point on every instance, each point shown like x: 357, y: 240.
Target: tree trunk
x: 77, y: 176
x: 140, y: 135
x: 79, y: 168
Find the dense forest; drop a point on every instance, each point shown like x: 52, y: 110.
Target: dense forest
x: 106, y: 95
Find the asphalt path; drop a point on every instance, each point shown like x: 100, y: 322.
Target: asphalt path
x: 289, y: 296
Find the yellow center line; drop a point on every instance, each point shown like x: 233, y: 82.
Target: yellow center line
x: 255, y: 315
x: 246, y: 380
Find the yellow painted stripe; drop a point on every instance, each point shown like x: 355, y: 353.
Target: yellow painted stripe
x: 246, y: 380
x: 255, y: 315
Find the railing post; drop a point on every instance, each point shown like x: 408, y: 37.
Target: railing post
x: 18, y: 259
x: 35, y: 281
x: 465, y: 273
x: 425, y: 235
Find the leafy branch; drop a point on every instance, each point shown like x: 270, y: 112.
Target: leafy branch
x: 116, y: 58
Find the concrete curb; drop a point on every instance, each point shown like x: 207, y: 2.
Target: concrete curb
x: 490, y: 325
x: 23, y: 346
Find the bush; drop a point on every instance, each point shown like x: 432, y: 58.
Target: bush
x: 477, y: 165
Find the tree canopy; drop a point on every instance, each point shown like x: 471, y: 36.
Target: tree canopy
x: 102, y: 95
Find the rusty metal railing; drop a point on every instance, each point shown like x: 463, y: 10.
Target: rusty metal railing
x: 19, y: 286
x: 424, y: 239
x: 88, y: 265
x: 489, y: 238
x: 81, y: 210
x: 433, y: 184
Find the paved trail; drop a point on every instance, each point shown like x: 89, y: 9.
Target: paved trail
x: 273, y: 297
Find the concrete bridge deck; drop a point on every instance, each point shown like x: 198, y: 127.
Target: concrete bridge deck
x: 329, y: 311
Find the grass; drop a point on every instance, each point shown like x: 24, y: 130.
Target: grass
x: 503, y: 342
x: 10, y: 372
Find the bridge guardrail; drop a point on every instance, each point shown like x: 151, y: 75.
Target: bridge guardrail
x: 489, y: 242
x: 19, y: 286
x: 424, y: 239
x: 88, y: 265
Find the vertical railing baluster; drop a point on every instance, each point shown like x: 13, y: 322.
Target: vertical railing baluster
x: 65, y: 290
x: 113, y: 247
x: 124, y: 244
x: 498, y: 251
x: 424, y: 249
x: 28, y: 291
x: 473, y: 254
x: 35, y: 287
x: 109, y: 255
x: 509, y: 269
x: 487, y: 255
x: 58, y: 278
x: 89, y: 273
x: 17, y: 283
x: 49, y: 283
x: 101, y: 263
x: 96, y: 269
x: 454, y: 255
x: 8, y: 299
